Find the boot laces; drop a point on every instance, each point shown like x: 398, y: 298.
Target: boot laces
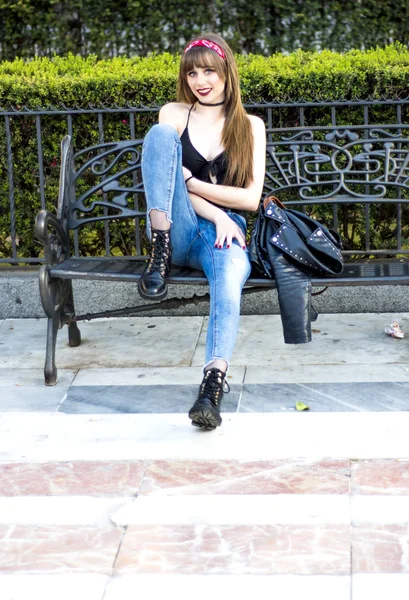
x: 213, y: 385
x: 160, y: 252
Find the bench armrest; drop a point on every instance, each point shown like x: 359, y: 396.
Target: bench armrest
x: 50, y: 231
x: 65, y: 178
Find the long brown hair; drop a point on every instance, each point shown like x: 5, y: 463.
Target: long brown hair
x: 237, y: 137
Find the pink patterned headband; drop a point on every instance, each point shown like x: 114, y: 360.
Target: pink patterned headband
x: 206, y: 44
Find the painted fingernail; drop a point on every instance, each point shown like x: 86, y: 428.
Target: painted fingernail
x: 220, y: 247
x: 228, y: 245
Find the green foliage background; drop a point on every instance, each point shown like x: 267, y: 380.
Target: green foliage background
x: 109, y: 28
x: 75, y: 81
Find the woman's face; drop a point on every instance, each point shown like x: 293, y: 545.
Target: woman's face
x: 206, y: 84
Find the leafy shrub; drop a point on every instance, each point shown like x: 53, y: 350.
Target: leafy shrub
x: 60, y: 85
x: 136, y: 27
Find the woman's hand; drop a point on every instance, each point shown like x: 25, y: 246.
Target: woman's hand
x: 226, y: 231
x: 226, y: 228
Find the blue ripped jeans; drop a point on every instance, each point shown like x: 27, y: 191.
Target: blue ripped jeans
x: 193, y: 238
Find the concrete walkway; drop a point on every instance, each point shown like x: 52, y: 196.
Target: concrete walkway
x: 108, y: 493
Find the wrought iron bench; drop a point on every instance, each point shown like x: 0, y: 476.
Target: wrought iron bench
x: 353, y: 178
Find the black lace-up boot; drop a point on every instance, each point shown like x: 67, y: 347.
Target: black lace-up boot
x: 152, y: 284
x: 205, y: 412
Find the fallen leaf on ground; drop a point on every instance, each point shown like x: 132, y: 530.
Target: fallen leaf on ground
x: 301, y: 406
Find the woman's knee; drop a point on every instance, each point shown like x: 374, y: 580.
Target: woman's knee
x: 232, y: 274
x: 236, y: 264
x: 161, y: 132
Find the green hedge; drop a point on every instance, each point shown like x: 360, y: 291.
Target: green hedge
x: 109, y: 28
x: 76, y: 81
x: 321, y: 76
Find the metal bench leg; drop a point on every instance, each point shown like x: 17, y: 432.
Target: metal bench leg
x: 74, y: 334
x: 53, y: 293
x: 56, y: 319
x: 50, y: 370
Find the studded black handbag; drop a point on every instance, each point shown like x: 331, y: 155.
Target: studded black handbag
x: 304, y: 241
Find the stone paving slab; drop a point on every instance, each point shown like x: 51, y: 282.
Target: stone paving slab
x: 163, y: 398
x: 179, y: 341
x: 331, y: 397
x: 240, y: 587
x: 336, y: 339
x: 330, y: 373
x: 241, y: 509
x: 23, y: 378
x: 30, y: 399
x: 139, y: 399
x: 50, y: 587
x: 151, y: 376
x: 235, y: 549
x: 58, y: 549
x: 23, y: 390
x: 60, y: 510
x: 282, y: 476
x: 105, y: 343
x: 380, y: 586
x: 71, y: 478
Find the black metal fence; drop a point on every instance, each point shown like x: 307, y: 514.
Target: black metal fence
x: 283, y: 121
x: 10, y: 167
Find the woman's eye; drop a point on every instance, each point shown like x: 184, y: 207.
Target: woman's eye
x: 191, y: 74
x: 208, y: 71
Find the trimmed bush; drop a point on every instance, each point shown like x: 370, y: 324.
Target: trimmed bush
x: 83, y: 82
x: 77, y: 81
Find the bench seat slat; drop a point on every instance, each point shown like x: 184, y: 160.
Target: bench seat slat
x: 363, y: 273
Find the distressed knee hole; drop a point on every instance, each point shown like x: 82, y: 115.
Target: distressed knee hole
x: 238, y: 262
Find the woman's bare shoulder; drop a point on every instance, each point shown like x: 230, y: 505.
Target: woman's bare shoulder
x: 173, y: 113
x: 258, y: 129
x: 257, y: 124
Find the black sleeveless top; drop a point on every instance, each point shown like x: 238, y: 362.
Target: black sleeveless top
x: 210, y: 171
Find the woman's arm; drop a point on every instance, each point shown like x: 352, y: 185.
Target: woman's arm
x: 226, y: 228
x: 247, y: 198
x: 173, y: 114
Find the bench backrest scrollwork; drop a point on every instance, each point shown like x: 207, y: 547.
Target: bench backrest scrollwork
x: 355, y: 179
x: 108, y: 184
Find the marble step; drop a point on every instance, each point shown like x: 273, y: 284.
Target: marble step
x: 241, y: 587
x: 279, y: 509
x: 127, y: 478
x: 38, y: 436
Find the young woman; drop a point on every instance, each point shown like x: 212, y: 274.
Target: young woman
x: 202, y: 166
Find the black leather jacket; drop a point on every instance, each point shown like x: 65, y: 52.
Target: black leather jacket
x: 293, y: 284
